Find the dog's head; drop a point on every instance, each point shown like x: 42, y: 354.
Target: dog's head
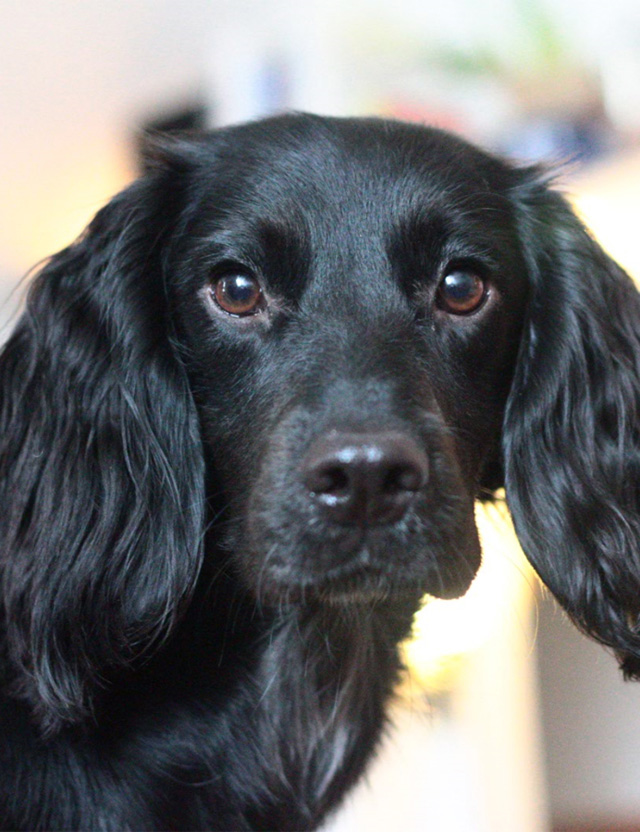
x: 324, y: 339
x: 350, y: 299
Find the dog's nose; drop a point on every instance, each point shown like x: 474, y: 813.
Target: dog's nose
x: 365, y: 478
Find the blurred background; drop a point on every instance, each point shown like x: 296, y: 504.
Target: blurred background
x: 509, y: 720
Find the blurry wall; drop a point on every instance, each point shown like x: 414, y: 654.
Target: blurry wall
x: 591, y: 722
x: 75, y: 77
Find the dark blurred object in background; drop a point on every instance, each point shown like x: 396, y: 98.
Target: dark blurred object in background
x: 184, y: 119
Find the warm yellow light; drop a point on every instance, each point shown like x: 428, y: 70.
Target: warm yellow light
x: 607, y: 201
x: 52, y: 201
x: 445, y: 631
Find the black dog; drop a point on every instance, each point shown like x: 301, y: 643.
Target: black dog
x: 243, y: 422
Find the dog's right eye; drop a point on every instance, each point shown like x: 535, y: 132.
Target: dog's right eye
x: 238, y: 294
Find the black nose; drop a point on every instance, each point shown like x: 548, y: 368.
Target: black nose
x: 365, y: 478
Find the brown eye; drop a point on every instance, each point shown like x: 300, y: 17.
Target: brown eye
x: 238, y: 294
x: 461, y: 292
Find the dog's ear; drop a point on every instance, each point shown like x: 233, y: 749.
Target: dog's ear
x: 101, y: 468
x: 572, y: 427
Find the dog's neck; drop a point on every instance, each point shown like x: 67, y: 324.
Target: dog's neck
x: 322, y: 681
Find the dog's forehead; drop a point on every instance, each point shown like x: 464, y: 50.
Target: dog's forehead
x: 349, y: 166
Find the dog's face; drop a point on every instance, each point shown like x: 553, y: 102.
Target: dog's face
x: 351, y: 299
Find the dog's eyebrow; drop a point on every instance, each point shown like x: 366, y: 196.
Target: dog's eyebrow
x: 286, y: 254
x: 426, y: 238
x: 279, y: 250
x: 420, y: 232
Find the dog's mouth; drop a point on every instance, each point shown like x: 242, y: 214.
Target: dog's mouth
x: 368, y: 584
x: 299, y: 563
x: 361, y: 586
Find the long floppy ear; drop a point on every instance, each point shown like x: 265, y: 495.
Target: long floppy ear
x: 572, y: 426
x: 101, y: 468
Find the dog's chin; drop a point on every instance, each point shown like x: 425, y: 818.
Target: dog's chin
x: 359, y: 568
x: 364, y: 586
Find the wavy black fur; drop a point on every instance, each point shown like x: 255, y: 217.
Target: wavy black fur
x: 189, y: 640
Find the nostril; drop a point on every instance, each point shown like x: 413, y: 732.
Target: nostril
x: 404, y: 477
x: 327, y: 479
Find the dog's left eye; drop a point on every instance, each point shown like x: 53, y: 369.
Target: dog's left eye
x: 239, y: 294
x: 461, y: 292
